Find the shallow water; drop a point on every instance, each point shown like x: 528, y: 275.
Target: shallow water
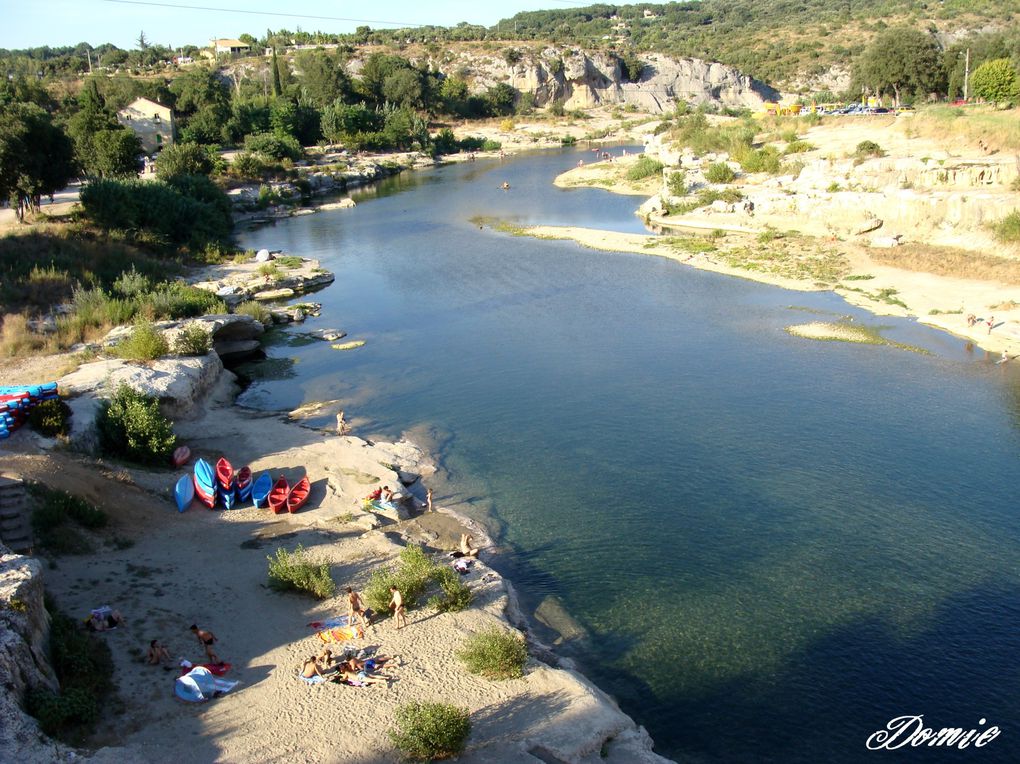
x: 772, y: 546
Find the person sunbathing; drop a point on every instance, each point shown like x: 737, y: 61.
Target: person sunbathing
x: 465, y: 546
x: 158, y: 653
x: 348, y: 673
x: 311, y: 667
x: 371, y: 665
x: 104, y: 620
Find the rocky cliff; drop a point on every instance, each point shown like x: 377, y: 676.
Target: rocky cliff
x: 24, y: 629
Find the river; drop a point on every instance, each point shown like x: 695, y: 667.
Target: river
x: 768, y: 546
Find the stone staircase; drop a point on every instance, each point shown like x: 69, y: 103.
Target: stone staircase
x: 15, y: 515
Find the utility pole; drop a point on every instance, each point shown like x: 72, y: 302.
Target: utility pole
x: 966, y: 76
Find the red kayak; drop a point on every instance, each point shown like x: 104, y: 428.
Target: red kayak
x: 202, y: 496
x: 278, y: 496
x: 243, y: 477
x: 181, y: 455
x: 224, y: 473
x: 216, y: 669
x: 298, y: 494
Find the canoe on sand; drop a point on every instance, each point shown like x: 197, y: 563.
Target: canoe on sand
x: 205, y: 494
x: 298, y: 495
x: 278, y: 496
x: 243, y: 483
x: 204, y: 476
x: 260, y: 489
x: 181, y: 455
x: 184, y: 492
x: 224, y: 472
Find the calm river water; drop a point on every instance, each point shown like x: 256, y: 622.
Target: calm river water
x: 769, y: 546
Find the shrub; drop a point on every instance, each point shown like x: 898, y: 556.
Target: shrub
x: 760, y: 160
x: 644, y: 167
x: 145, y: 343
x: 867, y: 150
x: 495, y: 654
x: 193, y: 340
x: 52, y: 516
x: 248, y: 165
x: 1007, y: 230
x: 289, y: 261
x: 428, y: 731
x: 131, y: 426
x: 720, y: 172
x: 256, y: 310
x: 183, y: 159
x: 84, y: 667
x: 50, y: 418
x: 798, y: 147
x: 269, y: 270
x: 456, y: 594
x: 273, y: 145
x: 676, y: 182
x: 295, y: 571
x: 411, y: 577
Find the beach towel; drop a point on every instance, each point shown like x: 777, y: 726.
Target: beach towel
x: 312, y: 679
x: 199, y: 685
x: 329, y: 623
x: 340, y: 634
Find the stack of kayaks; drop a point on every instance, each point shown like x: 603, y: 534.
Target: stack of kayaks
x: 205, y: 483
x: 17, y: 401
x: 225, y: 483
x: 243, y: 484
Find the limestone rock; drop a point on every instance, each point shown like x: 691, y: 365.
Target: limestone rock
x: 273, y: 294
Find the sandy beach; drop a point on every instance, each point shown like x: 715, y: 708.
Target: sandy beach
x: 165, y: 570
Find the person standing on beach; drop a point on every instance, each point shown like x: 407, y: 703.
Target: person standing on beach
x: 207, y: 639
x: 397, y: 606
x: 355, y: 608
x: 428, y: 500
x: 991, y: 323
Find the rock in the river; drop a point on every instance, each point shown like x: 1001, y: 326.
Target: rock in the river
x: 273, y: 294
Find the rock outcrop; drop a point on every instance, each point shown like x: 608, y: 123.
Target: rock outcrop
x: 24, y: 630
x: 583, y: 79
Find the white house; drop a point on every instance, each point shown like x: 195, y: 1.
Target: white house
x: 152, y: 122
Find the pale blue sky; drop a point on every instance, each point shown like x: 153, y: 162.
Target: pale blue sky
x: 31, y: 23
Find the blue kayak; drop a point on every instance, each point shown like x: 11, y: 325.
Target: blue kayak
x: 205, y: 476
x: 184, y: 492
x: 261, y: 488
x: 227, y: 496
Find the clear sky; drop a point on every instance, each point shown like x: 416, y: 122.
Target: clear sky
x: 31, y: 23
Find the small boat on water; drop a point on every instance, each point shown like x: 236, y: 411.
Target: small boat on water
x: 260, y: 489
x: 278, y: 496
x: 298, y: 495
x: 181, y: 456
x: 243, y: 484
x: 184, y: 492
x: 224, y: 472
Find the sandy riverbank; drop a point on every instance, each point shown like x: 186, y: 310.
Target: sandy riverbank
x: 210, y: 568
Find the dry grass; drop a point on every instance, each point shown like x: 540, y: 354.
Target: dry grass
x: 949, y: 261
x: 996, y: 130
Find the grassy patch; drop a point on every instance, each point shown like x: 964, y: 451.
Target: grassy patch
x: 644, y: 167
x: 289, y: 261
x: 1007, y: 230
x: 58, y: 517
x: 949, y: 261
x: 788, y: 260
x: 256, y: 310
x: 694, y: 245
x: 495, y: 654
x: 296, y: 571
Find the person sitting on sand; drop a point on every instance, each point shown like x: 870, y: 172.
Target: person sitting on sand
x: 371, y: 665
x: 158, y: 653
x: 311, y: 668
x: 465, y: 546
x: 207, y: 639
x: 374, y: 495
x: 104, y: 619
x: 387, y: 495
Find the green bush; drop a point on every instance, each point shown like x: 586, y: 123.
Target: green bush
x: 274, y: 145
x: 798, y: 147
x: 456, y: 594
x: 1007, y: 230
x: 760, y: 160
x: 411, y: 577
x: 429, y: 731
x: 677, y: 183
x: 193, y: 340
x: 720, y: 172
x: 867, y: 150
x: 495, y: 654
x: 84, y: 667
x: 51, y: 418
x: 131, y: 426
x: 183, y: 159
x: 644, y: 167
x: 256, y: 310
x: 52, y: 514
x: 295, y: 571
x: 145, y: 343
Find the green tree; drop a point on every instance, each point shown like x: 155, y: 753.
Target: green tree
x: 183, y: 159
x: 36, y: 156
x: 995, y: 81
x: 901, y: 59
x: 323, y: 79
x: 403, y: 88
x: 116, y: 154
x: 277, y: 85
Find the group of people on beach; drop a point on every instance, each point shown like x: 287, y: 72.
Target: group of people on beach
x: 351, y: 670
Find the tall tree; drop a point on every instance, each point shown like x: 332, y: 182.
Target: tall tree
x: 277, y: 85
x: 899, y: 60
x: 995, y: 81
x: 36, y: 157
x: 323, y: 78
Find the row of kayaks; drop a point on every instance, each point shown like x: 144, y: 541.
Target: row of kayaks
x: 221, y: 486
x: 16, y: 401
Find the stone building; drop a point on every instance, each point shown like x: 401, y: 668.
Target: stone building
x: 153, y: 123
